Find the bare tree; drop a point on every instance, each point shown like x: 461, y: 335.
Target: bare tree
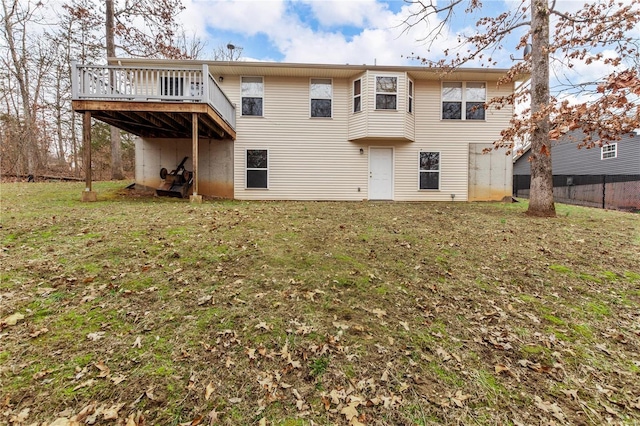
x: 27, y: 59
x: 230, y: 52
x: 156, y: 38
x: 555, y: 35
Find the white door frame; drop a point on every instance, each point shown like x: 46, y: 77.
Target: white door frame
x: 391, y: 172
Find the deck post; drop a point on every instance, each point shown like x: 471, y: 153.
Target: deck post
x: 87, y: 194
x: 195, y: 198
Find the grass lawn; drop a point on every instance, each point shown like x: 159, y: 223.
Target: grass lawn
x: 143, y: 310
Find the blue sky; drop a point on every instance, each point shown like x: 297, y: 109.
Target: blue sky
x: 321, y: 31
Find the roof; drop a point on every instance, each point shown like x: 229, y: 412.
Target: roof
x: 285, y: 69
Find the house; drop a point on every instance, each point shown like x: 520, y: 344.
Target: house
x: 284, y: 131
x: 606, y: 177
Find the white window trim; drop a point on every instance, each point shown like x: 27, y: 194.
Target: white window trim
x: 331, y: 99
x: 610, y: 148
x: 411, y: 106
x: 353, y: 83
x: 431, y: 171
x: 464, y: 100
x: 263, y: 103
x: 246, y: 169
x: 375, y: 92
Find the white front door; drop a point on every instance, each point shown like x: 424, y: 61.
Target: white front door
x: 381, y: 173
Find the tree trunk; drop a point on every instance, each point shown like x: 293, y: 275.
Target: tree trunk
x: 541, y: 190
x: 116, y: 141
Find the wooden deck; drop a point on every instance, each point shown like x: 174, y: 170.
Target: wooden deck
x: 164, y: 119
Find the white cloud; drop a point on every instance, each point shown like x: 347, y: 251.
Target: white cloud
x: 248, y: 17
x: 353, y: 12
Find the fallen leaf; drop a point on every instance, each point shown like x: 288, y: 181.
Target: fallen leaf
x: 138, y: 343
x: 118, y: 379
x: 459, y: 399
x: 350, y: 411
x: 85, y: 412
x: 251, y: 353
x: 501, y: 368
x: 213, y: 417
x: 85, y: 384
x: 405, y: 325
x: 235, y: 400
x: 263, y: 325
x: 443, y: 354
x: 95, y: 336
x: 379, y: 313
x: 111, y: 413
x: 550, y: 408
x: 21, y: 416
x: 208, y: 391
x: 38, y: 332
x: 104, y: 370
x: 13, y: 319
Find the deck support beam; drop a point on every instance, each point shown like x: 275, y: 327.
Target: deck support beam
x: 88, y: 194
x: 195, y: 198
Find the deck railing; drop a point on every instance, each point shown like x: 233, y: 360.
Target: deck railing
x: 151, y: 84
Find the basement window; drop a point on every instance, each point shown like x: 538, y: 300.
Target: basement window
x: 429, y: 170
x: 257, y: 171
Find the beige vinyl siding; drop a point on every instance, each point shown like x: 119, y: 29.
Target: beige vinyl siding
x: 357, y: 122
x: 309, y: 158
x: 386, y: 123
x: 449, y: 137
x: 409, y: 119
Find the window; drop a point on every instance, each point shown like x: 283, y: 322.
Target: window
x: 257, y: 168
x: 357, y: 95
x: 321, y: 94
x: 252, y: 94
x: 386, y: 92
x: 172, y: 86
x: 429, y: 170
x: 410, y: 103
x: 463, y: 101
x: 609, y: 151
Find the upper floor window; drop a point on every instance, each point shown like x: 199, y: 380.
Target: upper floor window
x: 463, y: 101
x: 410, y: 101
x: 252, y: 95
x: 357, y: 95
x: 609, y: 151
x: 386, y: 92
x: 321, y: 95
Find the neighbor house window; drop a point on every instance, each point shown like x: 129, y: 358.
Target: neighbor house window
x: 429, y: 170
x: 257, y: 168
x: 357, y: 95
x: 463, y: 101
x: 410, y: 101
x: 609, y: 151
x: 252, y: 95
x: 386, y: 92
x: 321, y: 95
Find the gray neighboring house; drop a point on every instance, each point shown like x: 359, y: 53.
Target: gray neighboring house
x: 606, y: 177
